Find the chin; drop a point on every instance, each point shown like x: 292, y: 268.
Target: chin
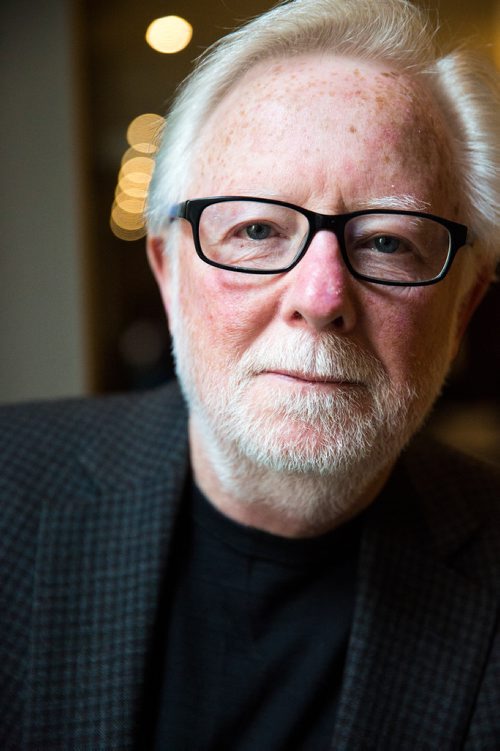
x: 283, y: 444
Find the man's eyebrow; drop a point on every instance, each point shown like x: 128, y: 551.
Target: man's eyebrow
x: 404, y: 202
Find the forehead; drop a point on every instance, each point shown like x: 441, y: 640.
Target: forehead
x: 327, y: 128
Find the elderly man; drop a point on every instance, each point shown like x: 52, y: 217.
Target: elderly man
x: 281, y: 568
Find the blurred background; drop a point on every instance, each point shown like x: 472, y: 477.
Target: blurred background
x: 83, y: 92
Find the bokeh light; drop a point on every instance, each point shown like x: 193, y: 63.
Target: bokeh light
x: 143, y: 132
x: 127, y: 220
x: 169, y: 34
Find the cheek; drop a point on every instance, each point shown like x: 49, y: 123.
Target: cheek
x: 226, y: 311
x: 409, y: 330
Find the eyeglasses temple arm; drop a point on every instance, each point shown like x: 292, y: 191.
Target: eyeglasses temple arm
x: 177, y: 211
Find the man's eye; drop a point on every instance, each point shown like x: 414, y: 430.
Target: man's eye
x: 257, y: 231
x: 386, y: 244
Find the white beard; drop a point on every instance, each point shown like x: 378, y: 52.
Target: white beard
x: 308, y: 454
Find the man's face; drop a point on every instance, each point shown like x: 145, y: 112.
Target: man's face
x: 313, y: 370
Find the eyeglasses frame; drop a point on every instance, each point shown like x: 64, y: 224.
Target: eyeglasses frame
x: 192, y: 209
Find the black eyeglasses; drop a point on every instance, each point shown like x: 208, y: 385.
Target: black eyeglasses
x: 262, y: 236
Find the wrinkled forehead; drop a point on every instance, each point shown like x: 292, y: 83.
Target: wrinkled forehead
x: 364, y: 108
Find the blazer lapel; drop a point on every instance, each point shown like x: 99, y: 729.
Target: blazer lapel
x: 103, y: 548
x: 421, y: 632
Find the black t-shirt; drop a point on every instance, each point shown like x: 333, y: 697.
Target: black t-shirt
x: 255, y: 637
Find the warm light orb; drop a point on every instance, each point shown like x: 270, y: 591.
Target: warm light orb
x: 169, y: 34
x: 136, y: 171
x: 126, y: 234
x: 131, y: 204
x: 127, y: 220
x: 143, y: 132
x: 126, y: 187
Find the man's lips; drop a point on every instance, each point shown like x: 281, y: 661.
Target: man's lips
x: 311, y: 377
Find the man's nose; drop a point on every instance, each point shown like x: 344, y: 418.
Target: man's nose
x: 320, y: 288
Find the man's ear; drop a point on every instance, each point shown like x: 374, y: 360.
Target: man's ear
x: 160, y: 264
x: 471, y: 300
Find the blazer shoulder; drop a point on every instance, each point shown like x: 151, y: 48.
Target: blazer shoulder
x: 446, y: 472
x: 460, y: 499
x: 82, y: 481
x: 44, y: 440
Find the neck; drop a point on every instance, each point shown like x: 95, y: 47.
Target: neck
x: 286, y: 504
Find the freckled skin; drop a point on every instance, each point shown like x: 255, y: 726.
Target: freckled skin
x: 328, y: 134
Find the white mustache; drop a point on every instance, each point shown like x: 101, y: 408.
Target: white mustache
x: 328, y: 358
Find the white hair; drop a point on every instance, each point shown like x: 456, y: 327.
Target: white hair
x: 396, y: 32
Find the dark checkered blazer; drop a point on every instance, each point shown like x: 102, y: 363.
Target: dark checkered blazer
x: 89, y: 492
